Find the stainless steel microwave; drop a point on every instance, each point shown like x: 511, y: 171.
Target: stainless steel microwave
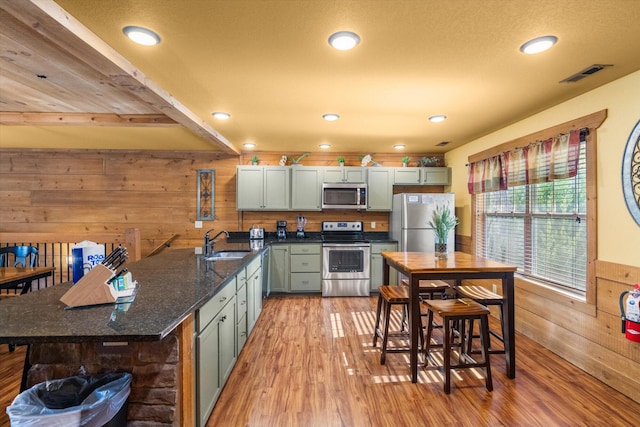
x: 344, y: 196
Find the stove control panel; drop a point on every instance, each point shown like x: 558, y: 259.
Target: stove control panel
x: 350, y: 226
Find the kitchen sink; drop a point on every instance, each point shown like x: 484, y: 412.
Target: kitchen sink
x: 227, y: 255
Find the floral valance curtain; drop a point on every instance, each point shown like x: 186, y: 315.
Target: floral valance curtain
x: 541, y: 161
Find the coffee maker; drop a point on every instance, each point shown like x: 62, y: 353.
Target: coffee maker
x: 281, y: 229
x: 301, y: 222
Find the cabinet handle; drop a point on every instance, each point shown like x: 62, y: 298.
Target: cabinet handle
x: 305, y: 263
x: 223, y: 318
x: 223, y: 298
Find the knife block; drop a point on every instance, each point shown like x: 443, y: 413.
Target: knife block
x: 92, y: 289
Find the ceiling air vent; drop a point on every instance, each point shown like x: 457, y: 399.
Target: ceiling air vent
x: 592, y: 69
x: 442, y: 144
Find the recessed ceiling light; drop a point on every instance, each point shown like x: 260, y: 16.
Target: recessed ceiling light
x: 344, y: 40
x: 438, y: 118
x: 220, y: 115
x: 324, y: 146
x: 539, y: 44
x: 399, y: 146
x: 140, y: 35
x: 248, y: 145
x: 331, y: 117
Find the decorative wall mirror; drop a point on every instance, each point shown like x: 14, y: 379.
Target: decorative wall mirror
x: 631, y: 173
x: 205, y: 207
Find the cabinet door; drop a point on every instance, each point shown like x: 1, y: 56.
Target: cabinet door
x: 276, y: 188
x: 207, y: 376
x: 436, y: 176
x: 249, y: 187
x: 376, y: 271
x: 306, y: 282
x: 380, y: 189
x: 254, y: 299
x: 377, y: 264
x: 406, y: 176
x: 226, y: 322
x: 334, y: 174
x: 306, y: 188
x: 355, y: 174
x: 279, y: 268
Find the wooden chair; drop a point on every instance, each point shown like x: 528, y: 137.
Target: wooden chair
x: 459, y: 310
x: 387, y: 297
x: 485, y: 297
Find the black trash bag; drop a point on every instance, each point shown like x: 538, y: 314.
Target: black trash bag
x: 73, y: 391
x: 73, y: 401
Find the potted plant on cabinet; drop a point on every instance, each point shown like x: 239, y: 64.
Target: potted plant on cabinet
x: 341, y: 161
x: 405, y: 161
x: 442, y: 221
x: 296, y: 161
x: 255, y: 160
x: 428, y: 161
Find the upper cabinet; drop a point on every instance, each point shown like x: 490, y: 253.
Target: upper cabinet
x: 345, y: 174
x: 422, y: 176
x: 380, y: 189
x: 306, y: 188
x: 262, y: 188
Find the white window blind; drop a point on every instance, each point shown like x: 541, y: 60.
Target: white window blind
x: 541, y: 228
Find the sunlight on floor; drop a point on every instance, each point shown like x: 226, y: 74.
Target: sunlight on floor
x: 336, y: 325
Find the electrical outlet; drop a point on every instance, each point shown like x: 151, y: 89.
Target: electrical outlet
x: 198, y: 224
x: 373, y: 224
x: 198, y: 250
x: 495, y: 288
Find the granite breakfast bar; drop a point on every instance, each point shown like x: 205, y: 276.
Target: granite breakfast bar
x: 154, y: 338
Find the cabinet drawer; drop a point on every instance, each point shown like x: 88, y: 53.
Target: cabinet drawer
x: 305, y: 263
x: 253, y: 266
x: 215, y: 304
x: 378, y: 248
x: 241, y: 302
x: 304, y: 249
x: 306, y: 282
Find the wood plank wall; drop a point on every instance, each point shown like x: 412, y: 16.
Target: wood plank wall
x: 588, y: 336
x: 89, y: 192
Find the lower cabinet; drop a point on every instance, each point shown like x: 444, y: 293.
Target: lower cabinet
x: 377, y: 264
x: 279, y: 268
x: 223, y: 325
x: 216, y: 355
x: 306, y: 267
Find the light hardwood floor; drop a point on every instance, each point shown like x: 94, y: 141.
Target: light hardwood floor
x: 309, y: 362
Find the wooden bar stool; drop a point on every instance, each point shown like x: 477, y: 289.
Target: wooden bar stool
x: 427, y: 289
x: 387, y: 297
x: 485, y: 297
x: 460, y: 310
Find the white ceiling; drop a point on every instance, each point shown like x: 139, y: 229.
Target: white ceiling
x: 268, y: 63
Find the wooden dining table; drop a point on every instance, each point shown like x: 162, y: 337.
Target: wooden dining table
x: 10, y: 277
x: 459, y: 266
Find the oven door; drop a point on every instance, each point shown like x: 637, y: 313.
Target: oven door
x: 345, y: 261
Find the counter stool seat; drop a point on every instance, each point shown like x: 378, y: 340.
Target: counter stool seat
x: 485, y: 297
x: 427, y: 289
x: 459, y: 310
x: 387, y: 297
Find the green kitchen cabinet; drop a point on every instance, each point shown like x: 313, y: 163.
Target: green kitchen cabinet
x: 349, y: 174
x: 279, y: 268
x: 407, y: 176
x: 306, y: 188
x: 262, y: 188
x: 306, y: 267
x: 377, y: 264
x: 380, y: 188
x: 254, y: 293
x: 241, y: 315
x: 436, y: 176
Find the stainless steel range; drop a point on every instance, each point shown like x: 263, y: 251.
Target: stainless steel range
x: 345, y: 259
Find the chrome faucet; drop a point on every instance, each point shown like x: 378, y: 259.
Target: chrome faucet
x: 210, y: 242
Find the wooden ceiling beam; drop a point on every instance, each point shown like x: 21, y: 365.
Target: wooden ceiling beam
x: 85, y: 119
x: 54, y: 24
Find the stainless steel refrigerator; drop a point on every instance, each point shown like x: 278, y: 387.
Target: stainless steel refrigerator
x: 410, y: 216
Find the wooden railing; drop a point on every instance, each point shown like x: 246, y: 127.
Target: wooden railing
x: 55, y: 249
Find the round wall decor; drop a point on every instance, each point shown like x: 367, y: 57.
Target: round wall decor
x: 631, y: 173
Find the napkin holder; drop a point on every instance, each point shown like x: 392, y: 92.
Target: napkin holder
x: 91, y: 289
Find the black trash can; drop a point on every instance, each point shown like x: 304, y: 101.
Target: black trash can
x: 75, y: 401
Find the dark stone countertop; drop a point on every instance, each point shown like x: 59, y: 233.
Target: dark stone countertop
x: 172, y: 285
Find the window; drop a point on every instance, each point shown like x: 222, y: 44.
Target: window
x: 541, y: 228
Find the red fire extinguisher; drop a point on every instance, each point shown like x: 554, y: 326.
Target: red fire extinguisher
x: 631, y: 317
